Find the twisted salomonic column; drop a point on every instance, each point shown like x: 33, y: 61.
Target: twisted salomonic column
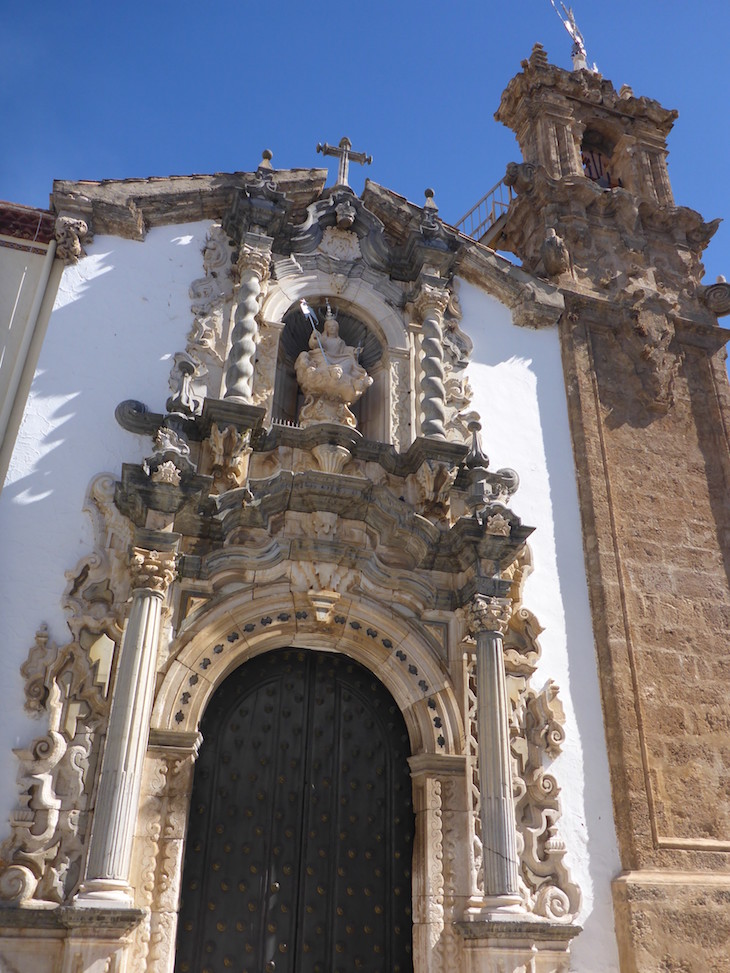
x: 107, y: 870
x: 487, y: 620
x: 253, y: 270
x: 430, y: 306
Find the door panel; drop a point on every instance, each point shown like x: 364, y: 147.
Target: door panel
x: 298, y: 856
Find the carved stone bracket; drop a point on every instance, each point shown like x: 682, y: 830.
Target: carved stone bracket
x: 230, y: 452
x: 71, y: 231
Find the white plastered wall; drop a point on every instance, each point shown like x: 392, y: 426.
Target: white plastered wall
x: 517, y: 378
x: 120, y: 314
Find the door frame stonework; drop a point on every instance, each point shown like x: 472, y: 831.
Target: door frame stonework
x: 274, y: 617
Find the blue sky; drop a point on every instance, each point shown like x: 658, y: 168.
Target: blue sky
x: 94, y: 91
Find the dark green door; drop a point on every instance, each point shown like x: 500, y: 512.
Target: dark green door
x: 298, y: 855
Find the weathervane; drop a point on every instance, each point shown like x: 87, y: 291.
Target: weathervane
x: 345, y: 154
x: 578, y: 53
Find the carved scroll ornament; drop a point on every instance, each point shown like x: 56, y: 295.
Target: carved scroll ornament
x: 67, y: 686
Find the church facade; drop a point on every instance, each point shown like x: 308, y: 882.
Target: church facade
x: 379, y: 585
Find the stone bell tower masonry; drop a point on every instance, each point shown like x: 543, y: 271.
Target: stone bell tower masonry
x: 649, y: 403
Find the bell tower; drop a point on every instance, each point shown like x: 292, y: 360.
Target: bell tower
x: 649, y: 404
x: 594, y: 206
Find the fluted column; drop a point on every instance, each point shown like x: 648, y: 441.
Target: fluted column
x: 487, y: 619
x: 430, y: 306
x: 253, y: 270
x: 107, y: 870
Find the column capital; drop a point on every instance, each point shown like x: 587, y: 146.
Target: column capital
x: 430, y: 298
x: 152, y: 569
x: 486, y: 613
x: 255, y: 256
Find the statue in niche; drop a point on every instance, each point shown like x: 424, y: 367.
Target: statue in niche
x: 329, y: 374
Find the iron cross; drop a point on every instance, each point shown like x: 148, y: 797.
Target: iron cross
x: 345, y: 154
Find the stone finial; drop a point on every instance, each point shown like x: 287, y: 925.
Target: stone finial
x: 488, y: 614
x: 538, y: 57
x: 152, y: 569
x: 429, y: 218
x: 266, y: 156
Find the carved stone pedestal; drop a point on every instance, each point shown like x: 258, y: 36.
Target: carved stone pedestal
x: 65, y: 940
x: 511, y: 945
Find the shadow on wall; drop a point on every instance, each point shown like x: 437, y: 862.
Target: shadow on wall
x: 120, y: 316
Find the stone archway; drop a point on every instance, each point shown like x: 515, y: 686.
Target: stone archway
x: 300, y: 834
x: 221, y: 640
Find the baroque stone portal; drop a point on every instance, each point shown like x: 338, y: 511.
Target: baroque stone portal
x: 330, y: 376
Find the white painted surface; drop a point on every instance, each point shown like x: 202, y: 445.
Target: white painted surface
x: 120, y: 315
x: 517, y: 378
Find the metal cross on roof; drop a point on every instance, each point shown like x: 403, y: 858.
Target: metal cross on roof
x: 345, y: 154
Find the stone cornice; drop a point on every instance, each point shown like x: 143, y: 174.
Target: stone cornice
x: 129, y: 207
x: 534, y: 302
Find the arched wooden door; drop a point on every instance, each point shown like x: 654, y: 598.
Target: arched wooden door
x: 299, y: 847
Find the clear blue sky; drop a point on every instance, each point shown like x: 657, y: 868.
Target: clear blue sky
x: 112, y: 90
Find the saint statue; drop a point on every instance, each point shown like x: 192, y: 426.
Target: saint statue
x: 330, y: 376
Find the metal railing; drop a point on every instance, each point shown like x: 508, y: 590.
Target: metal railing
x: 481, y: 217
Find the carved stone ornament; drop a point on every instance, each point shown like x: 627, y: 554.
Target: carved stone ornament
x: 554, y: 253
x: 433, y: 482
x: 70, y: 232
x: 171, y: 449
x: 230, y: 451
x: 430, y: 299
x: 488, y: 614
x: 536, y: 721
x: 209, y: 296
x: 330, y: 376
x: 152, y: 569
x: 716, y: 297
x: 254, y: 260
x: 183, y: 398
x: 498, y: 525
x: 40, y: 863
x: 520, y: 176
x: 339, y: 243
x: 166, y: 472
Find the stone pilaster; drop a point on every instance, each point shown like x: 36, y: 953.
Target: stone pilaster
x: 430, y: 305
x: 107, y: 871
x: 487, y: 621
x: 253, y: 270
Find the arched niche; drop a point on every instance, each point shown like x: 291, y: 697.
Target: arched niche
x: 597, y: 157
x: 370, y: 412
